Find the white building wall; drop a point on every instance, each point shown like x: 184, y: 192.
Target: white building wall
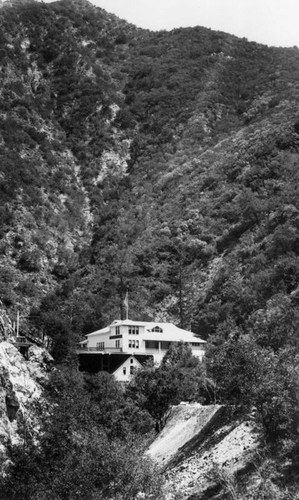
x: 125, y: 377
x: 121, y: 332
x: 127, y: 337
x: 100, y: 337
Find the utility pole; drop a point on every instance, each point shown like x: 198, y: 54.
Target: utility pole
x: 18, y: 322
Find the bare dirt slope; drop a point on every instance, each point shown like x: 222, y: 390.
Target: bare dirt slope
x: 203, y: 449
x: 183, y: 423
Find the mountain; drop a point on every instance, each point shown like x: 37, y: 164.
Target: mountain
x: 164, y: 163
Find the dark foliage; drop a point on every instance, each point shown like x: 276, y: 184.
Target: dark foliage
x: 180, y: 377
x: 166, y: 163
x: 89, y: 447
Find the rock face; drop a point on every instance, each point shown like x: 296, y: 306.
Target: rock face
x: 203, y: 449
x: 22, y: 383
x: 5, y: 323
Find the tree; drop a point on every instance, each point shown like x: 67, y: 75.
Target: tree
x: 179, y: 377
x: 246, y: 374
x: 77, y: 455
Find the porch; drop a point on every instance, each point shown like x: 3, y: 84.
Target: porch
x: 106, y: 350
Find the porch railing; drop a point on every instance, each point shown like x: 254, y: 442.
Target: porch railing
x: 97, y: 349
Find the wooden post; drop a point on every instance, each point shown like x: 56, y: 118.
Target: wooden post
x: 18, y: 323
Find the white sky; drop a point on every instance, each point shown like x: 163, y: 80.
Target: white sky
x: 273, y: 22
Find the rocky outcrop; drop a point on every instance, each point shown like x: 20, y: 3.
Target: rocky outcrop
x: 22, y: 383
x: 6, y: 328
x: 203, y: 449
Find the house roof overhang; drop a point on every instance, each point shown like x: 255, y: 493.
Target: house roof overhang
x: 169, y: 333
x: 170, y: 337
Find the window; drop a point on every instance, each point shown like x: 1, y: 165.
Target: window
x: 124, y: 370
x: 117, y: 343
x: 117, y: 330
x: 100, y: 346
x: 131, y: 370
x: 133, y: 330
x: 151, y: 344
x: 157, y: 329
x: 133, y: 344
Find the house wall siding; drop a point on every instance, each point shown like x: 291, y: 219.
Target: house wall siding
x: 119, y: 373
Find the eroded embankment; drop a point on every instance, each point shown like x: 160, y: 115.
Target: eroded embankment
x: 183, y: 423
x: 203, y: 448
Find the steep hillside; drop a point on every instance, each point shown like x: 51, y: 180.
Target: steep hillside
x: 205, y: 450
x: 58, y: 95
x: 165, y: 163
x: 183, y: 423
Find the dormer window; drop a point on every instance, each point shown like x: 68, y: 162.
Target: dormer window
x: 157, y: 329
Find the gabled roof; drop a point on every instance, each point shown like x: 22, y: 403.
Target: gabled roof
x: 118, y: 362
x: 170, y: 332
x: 94, y: 363
x: 103, y: 330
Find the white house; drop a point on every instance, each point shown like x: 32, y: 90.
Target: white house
x: 125, y: 345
